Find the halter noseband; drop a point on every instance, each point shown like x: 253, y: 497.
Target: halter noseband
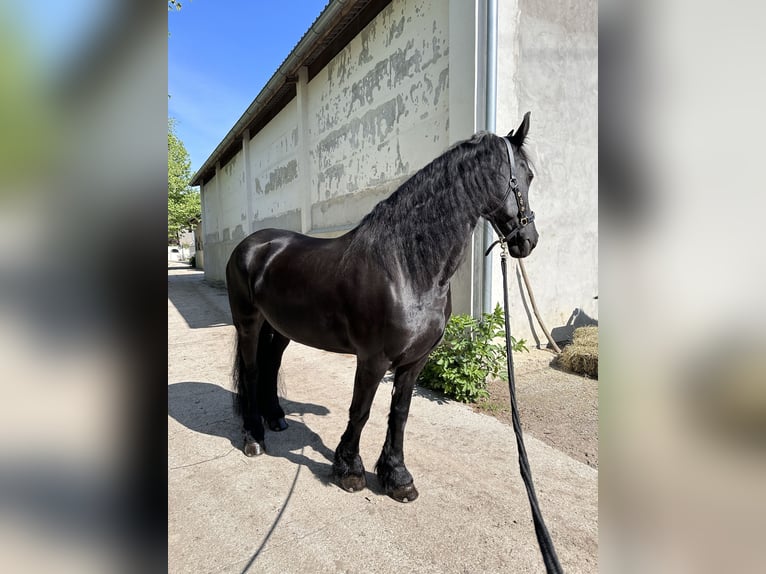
x: 513, y: 186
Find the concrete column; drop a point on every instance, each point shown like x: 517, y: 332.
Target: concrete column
x: 462, y: 68
x: 304, y: 160
x: 463, y: 105
x: 508, y: 117
x: 219, y: 201
x: 508, y: 113
x: 248, y: 180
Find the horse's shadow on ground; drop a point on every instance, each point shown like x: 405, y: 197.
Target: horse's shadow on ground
x: 207, y: 408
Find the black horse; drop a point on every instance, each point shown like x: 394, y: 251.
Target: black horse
x: 380, y: 292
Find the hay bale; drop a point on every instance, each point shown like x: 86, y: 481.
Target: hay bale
x: 581, y: 356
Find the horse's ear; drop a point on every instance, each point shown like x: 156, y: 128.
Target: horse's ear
x: 518, y: 138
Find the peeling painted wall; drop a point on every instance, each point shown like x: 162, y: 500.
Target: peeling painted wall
x: 380, y: 109
x: 277, y: 184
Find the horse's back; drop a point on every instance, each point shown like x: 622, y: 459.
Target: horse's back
x: 266, y: 238
x: 257, y: 251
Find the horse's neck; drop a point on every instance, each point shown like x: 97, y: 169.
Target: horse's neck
x: 453, y: 238
x: 454, y: 255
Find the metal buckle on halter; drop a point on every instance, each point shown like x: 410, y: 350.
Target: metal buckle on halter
x: 527, y: 219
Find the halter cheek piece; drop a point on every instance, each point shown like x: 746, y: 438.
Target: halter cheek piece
x: 513, y: 187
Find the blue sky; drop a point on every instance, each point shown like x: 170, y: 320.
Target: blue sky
x: 220, y: 55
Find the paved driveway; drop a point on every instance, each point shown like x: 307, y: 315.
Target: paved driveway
x: 280, y: 513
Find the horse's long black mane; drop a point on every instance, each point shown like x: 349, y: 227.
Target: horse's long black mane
x: 423, y: 226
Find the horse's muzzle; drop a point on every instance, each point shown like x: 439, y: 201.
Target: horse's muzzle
x: 519, y: 251
x: 524, y: 242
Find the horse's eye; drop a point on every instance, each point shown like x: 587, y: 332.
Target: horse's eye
x: 531, y: 176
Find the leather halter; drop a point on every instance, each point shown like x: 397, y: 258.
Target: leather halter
x: 513, y: 187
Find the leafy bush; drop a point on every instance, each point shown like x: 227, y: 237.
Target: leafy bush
x: 470, y: 351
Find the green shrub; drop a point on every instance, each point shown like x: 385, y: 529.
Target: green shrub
x: 470, y: 351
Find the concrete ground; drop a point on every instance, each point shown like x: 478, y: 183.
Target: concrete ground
x: 281, y: 513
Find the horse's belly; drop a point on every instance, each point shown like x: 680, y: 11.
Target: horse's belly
x: 306, y: 325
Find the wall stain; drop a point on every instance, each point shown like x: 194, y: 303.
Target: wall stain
x: 403, y: 63
x: 436, y: 50
x: 329, y: 179
x: 429, y: 88
x: 375, y: 126
x: 279, y: 177
x: 442, y: 85
x: 364, y: 56
x: 401, y: 167
x: 395, y: 31
x: 228, y: 169
x: 403, y: 66
x: 413, y: 96
x: 362, y: 91
x: 343, y: 67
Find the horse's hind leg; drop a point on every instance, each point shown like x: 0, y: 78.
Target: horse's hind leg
x: 393, y: 475
x: 245, y: 377
x: 347, y: 467
x: 271, y: 346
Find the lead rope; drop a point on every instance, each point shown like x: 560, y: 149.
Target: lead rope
x: 552, y: 565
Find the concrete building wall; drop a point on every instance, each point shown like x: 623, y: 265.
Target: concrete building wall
x: 548, y: 64
x: 277, y: 180
x: 260, y: 187
x: 222, y: 215
x: 378, y: 111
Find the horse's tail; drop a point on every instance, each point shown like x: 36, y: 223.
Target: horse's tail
x: 241, y: 395
x: 236, y: 287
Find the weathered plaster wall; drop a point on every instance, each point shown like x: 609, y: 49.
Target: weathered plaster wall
x: 548, y: 64
x: 379, y: 111
x: 222, y: 198
x: 278, y: 181
x: 249, y: 193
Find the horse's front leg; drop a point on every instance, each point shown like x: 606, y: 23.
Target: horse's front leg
x: 347, y: 468
x: 393, y: 475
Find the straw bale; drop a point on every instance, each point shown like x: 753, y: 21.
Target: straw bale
x: 581, y: 356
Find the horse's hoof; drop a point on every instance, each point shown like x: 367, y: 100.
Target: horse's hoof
x: 254, y: 448
x: 406, y: 493
x: 352, y: 482
x: 278, y: 425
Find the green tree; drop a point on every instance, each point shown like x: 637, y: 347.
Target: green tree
x: 183, y: 200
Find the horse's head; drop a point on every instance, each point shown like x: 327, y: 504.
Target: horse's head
x: 513, y: 218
